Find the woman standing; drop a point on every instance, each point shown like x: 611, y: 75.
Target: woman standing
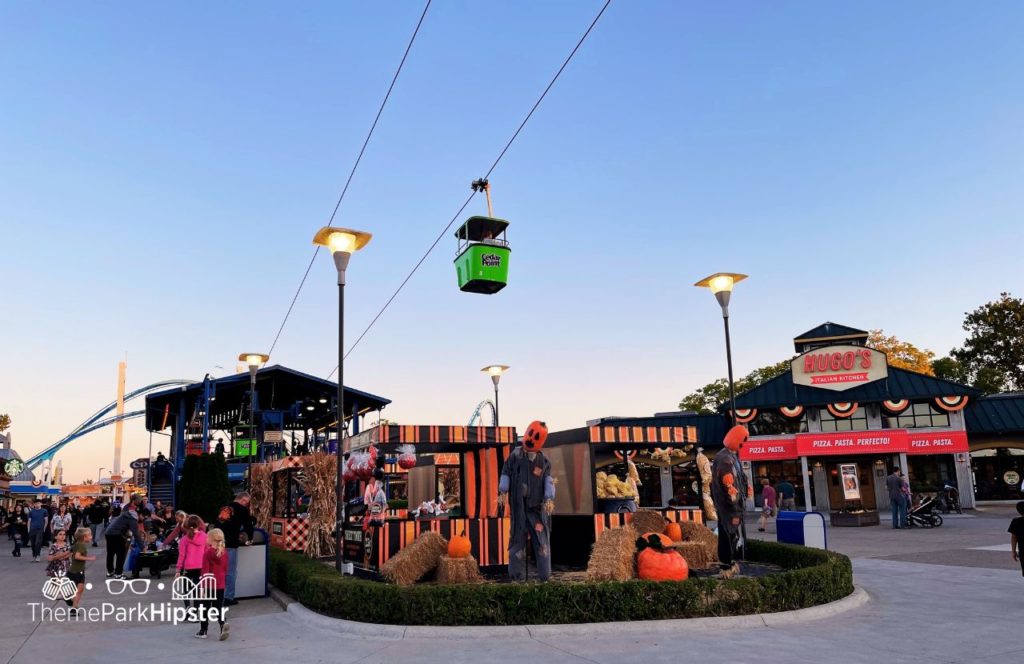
x: 769, y: 503
x: 61, y: 522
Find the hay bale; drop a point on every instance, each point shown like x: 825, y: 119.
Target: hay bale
x: 698, y: 555
x: 458, y: 570
x: 649, y: 521
x: 416, y: 560
x: 613, y: 556
x: 696, y: 532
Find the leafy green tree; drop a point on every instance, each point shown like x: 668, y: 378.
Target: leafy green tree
x: 204, y: 487
x: 994, y: 347
x: 902, y: 354
x: 708, y: 398
x: 987, y: 379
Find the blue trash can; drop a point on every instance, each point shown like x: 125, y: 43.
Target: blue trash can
x: 803, y: 528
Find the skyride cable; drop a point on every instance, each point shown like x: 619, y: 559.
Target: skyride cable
x: 494, y: 165
x: 359, y: 158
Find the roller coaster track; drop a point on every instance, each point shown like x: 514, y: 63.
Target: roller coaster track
x: 477, y: 412
x: 99, y: 420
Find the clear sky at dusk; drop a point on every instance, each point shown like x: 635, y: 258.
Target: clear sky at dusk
x: 163, y: 168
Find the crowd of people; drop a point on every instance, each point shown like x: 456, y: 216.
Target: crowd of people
x: 134, y: 533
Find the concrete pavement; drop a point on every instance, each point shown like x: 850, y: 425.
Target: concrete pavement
x: 965, y: 611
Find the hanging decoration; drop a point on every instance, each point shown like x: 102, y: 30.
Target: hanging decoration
x: 625, y: 455
x: 896, y: 405
x: 842, y: 409
x: 792, y: 412
x: 407, y: 457
x: 744, y: 415
x: 951, y: 404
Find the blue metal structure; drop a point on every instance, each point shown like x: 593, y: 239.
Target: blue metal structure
x: 97, y: 421
x: 478, y: 412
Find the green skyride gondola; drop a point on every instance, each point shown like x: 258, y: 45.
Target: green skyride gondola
x: 483, y: 252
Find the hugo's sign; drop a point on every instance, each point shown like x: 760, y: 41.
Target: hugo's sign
x: 839, y: 367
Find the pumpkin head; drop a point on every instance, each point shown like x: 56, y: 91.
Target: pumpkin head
x: 656, y: 562
x: 736, y: 437
x: 674, y: 532
x: 459, y: 547
x: 535, y: 437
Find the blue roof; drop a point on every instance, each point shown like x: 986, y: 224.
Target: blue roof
x: 901, y: 384
x: 830, y: 332
x: 996, y: 414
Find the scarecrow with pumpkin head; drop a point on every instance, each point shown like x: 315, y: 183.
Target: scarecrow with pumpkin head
x: 729, y: 488
x: 528, y: 490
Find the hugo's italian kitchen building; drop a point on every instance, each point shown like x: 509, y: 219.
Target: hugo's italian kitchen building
x: 841, y: 419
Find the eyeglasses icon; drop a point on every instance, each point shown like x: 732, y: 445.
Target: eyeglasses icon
x: 117, y: 586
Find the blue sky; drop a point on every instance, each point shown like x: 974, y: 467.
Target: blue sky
x: 163, y: 169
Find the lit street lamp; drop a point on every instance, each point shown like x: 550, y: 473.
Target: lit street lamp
x: 255, y: 361
x: 495, y: 371
x: 342, y: 242
x: 721, y: 285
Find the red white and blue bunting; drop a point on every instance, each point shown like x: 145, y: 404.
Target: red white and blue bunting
x: 896, y: 405
x: 842, y: 409
x: 744, y: 415
x: 792, y: 412
x: 951, y: 404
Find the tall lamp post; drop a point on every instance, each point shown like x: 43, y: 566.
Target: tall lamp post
x: 255, y: 361
x: 495, y: 371
x: 342, y: 242
x: 721, y: 285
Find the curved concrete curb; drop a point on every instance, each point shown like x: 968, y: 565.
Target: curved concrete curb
x: 855, y: 600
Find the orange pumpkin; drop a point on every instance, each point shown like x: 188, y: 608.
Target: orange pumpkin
x: 674, y: 532
x: 459, y: 546
x: 656, y: 562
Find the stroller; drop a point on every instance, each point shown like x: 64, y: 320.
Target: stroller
x: 156, y: 560
x: 924, y: 515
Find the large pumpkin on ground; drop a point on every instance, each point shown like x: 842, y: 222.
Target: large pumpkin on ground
x: 459, y: 546
x: 656, y: 562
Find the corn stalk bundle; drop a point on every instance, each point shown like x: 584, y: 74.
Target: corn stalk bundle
x: 321, y: 478
x: 260, y: 491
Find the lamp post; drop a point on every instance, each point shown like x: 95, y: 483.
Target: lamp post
x: 342, y: 242
x: 721, y: 285
x: 255, y: 361
x: 495, y: 371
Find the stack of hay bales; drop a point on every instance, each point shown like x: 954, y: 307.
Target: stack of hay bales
x: 649, y: 521
x: 699, y: 545
x: 458, y: 570
x: 613, y: 557
x: 416, y: 560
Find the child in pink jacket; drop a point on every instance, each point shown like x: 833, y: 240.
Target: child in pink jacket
x: 191, y: 549
x: 215, y: 564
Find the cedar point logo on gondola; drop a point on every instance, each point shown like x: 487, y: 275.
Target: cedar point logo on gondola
x: 60, y: 590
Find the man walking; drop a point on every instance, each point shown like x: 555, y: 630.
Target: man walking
x: 38, y: 520
x: 897, y: 501
x: 240, y: 521
x: 787, y: 495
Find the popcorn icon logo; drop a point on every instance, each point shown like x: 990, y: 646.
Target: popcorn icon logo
x: 59, y: 587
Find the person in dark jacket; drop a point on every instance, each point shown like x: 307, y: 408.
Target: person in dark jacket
x: 237, y: 532
x: 897, y: 499
x: 118, y: 535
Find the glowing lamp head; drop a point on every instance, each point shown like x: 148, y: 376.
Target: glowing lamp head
x: 341, y: 240
x: 721, y: 284
x: 254, y: 360
x: 495, y: 371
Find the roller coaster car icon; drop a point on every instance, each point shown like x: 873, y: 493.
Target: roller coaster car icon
x: 186, y: 589
x: 59, y: 587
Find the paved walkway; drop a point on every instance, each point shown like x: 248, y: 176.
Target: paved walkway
x: 966, y: 611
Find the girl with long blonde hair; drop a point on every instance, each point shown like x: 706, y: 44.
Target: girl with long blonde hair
x: 215, y: 563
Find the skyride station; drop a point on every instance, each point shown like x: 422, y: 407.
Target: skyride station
x: 842, y: 419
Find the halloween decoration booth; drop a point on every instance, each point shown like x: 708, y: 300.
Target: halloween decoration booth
x: 729, y: 488
x: 452, y: 469
x: 528, y: 490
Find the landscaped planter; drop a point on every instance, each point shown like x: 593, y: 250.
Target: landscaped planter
x: 809, y: 577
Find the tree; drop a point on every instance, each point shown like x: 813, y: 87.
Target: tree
x: 902, y: 354
x: 994, y: 348
x: 987, y: 379
x: 204, y: 486
x: 5, y: 422
x: 707, y: 399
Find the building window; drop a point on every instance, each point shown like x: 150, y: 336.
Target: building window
x: 916, y: 416
x: 774, y: 423
x: 856, y: 422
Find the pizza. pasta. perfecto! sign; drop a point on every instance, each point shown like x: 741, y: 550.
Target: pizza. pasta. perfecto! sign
x: 839, y: 367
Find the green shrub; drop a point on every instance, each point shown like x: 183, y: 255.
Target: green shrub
x: 809, y: 577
